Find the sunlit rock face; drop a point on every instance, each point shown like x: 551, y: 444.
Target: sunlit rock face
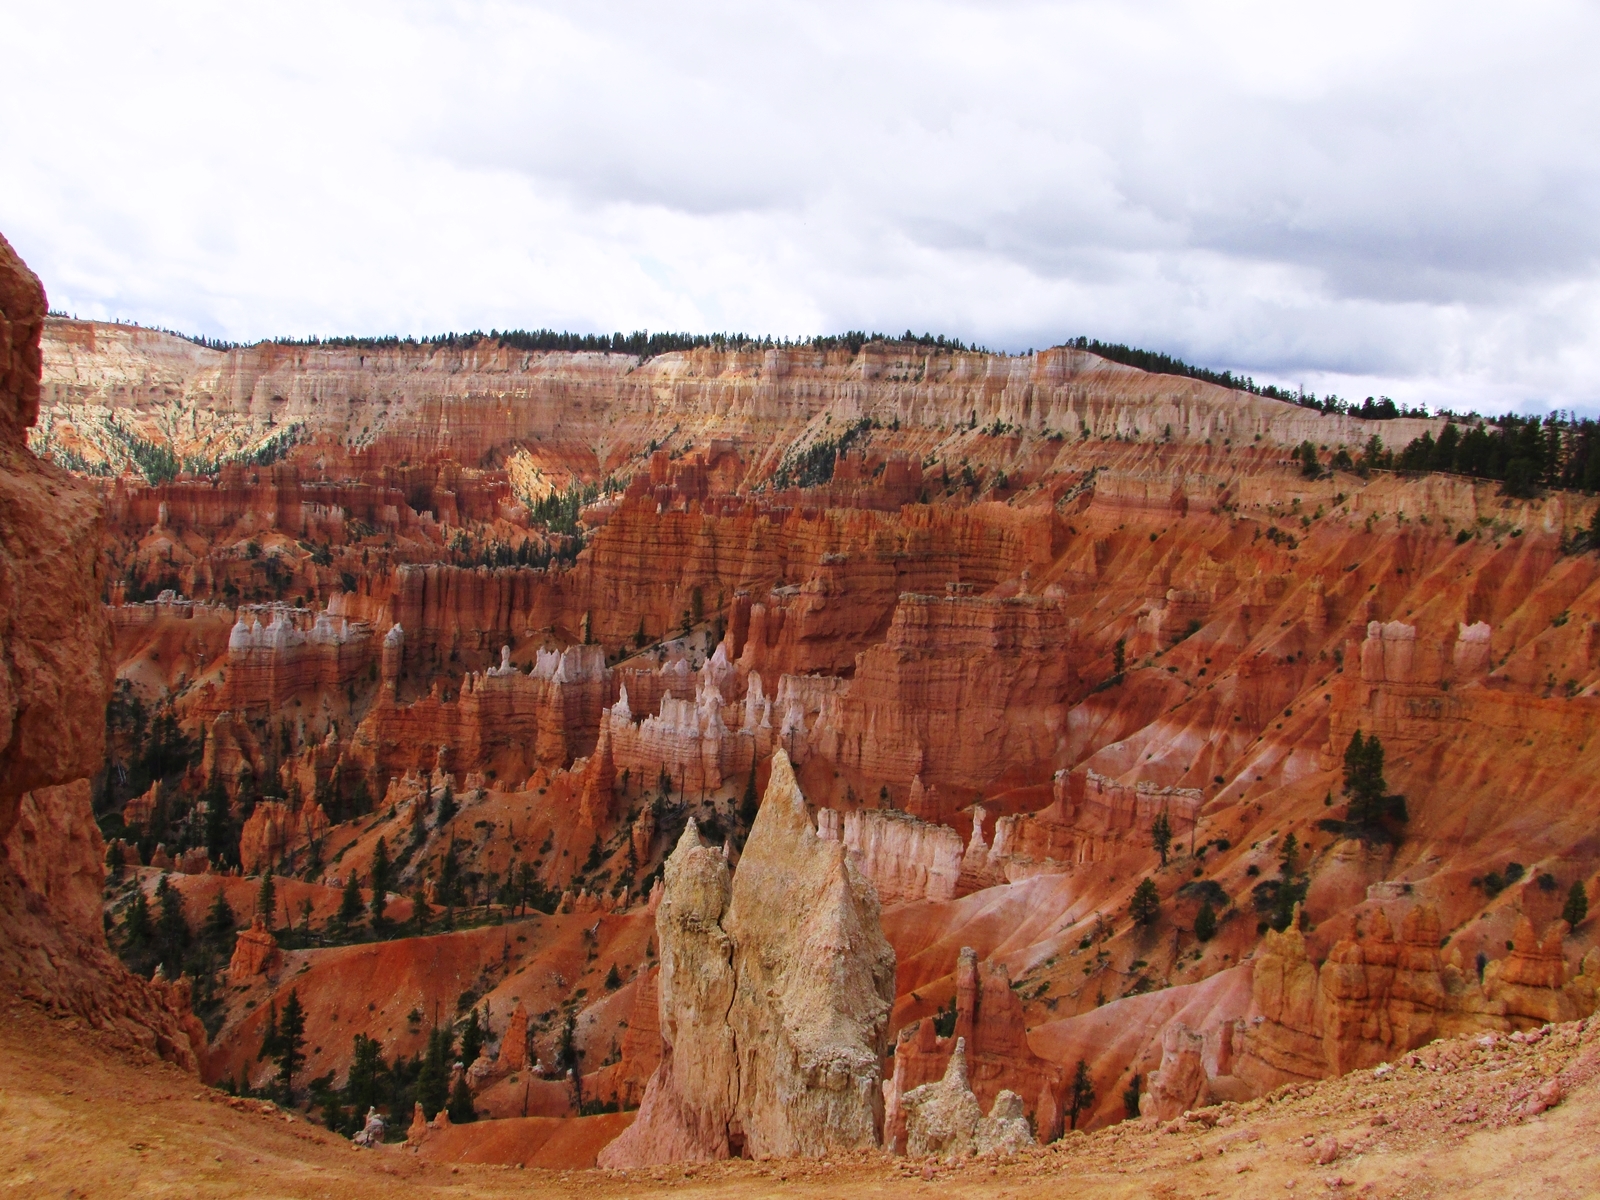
x: 775, y: 994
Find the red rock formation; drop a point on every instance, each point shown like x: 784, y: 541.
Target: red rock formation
x: 990, y: 1023
x: 278, y: 653
x: 906, y: 859
x: 626, y: 1080
x: 275, y: 831
x: 255, y: 952
x: 1262, y: 617
x: 962, y: 688
x: 1182, y: 1083
x: 1377, y: 996
x: 501, y: 719
x: 56, y: 667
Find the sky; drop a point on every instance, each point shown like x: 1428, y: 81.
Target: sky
x: 1365, y: 198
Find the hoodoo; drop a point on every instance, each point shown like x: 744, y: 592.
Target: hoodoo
x: 775, y: 994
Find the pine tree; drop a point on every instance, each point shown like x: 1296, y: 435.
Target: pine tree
x: 1364, y: 783
x: 381, y: 872
x: 219, y: 919
x: 460, y: 1104
x: 1146, y: 904
x: 136, y: 927
x: 449, y: 875
x: 291, y: 1042
x: 1309, y: 466
x: 1288, y: 855
x: 433, y: 1080
x: 567, y: 1047
x: 471, y: 1039
x: 172, y: 931
x: 1119, y: 657
x: 367, y: 1068
x: 217, y: 822
x: 1205, y: 923
x: 350, y: 905
x: 1577, y: 906
x: 266, y: 896
x: 1130, y: 1099
x: 1161, y: 835
x: 526, y: 884
x: 1081, y: 1093
x: 446, y: 809
x: 269, y: 1035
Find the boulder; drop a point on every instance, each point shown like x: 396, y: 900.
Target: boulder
x: 371, y: 1134
x: 1005, y: 1131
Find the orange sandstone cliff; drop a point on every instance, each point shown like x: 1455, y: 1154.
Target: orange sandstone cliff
x: 55, y: 672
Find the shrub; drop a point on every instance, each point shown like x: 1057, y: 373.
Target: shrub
x: 1577, y: 907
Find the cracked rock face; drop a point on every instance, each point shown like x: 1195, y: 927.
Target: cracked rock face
x: 945, y: 1119
x: 942, y: 1117
x: 689, y: 1102
x: 775, y: 998
x: 815, y: 986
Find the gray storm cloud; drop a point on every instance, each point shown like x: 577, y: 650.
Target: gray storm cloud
x: 1362, y: 197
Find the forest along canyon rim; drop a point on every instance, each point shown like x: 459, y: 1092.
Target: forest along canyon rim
x: 510, y: 755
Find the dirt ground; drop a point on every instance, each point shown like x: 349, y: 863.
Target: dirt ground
x: 78, y: 1119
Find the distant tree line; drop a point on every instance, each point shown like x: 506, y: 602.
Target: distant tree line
x: 641, y: 343
x: 1524, y: 453
x: 1380, y: 409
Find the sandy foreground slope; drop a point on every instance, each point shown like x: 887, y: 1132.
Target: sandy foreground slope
x: 1455, y: 1119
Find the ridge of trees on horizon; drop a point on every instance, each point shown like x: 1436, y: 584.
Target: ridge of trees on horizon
x: 641, y: 343
x: 1524, y: 454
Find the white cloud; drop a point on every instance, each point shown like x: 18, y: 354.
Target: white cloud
x: 1370, y: 197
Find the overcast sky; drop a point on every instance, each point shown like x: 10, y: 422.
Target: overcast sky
x: 1359, y: 197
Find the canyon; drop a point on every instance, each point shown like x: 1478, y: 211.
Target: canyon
x: 786, y: 752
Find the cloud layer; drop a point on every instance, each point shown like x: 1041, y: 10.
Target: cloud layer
x: 1364, y: 197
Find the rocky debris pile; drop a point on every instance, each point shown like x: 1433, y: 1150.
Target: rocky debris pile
x: 941, y: 1117
x: 1005, y: 1131
x: 774, y: 998
x: 371, y: 1133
